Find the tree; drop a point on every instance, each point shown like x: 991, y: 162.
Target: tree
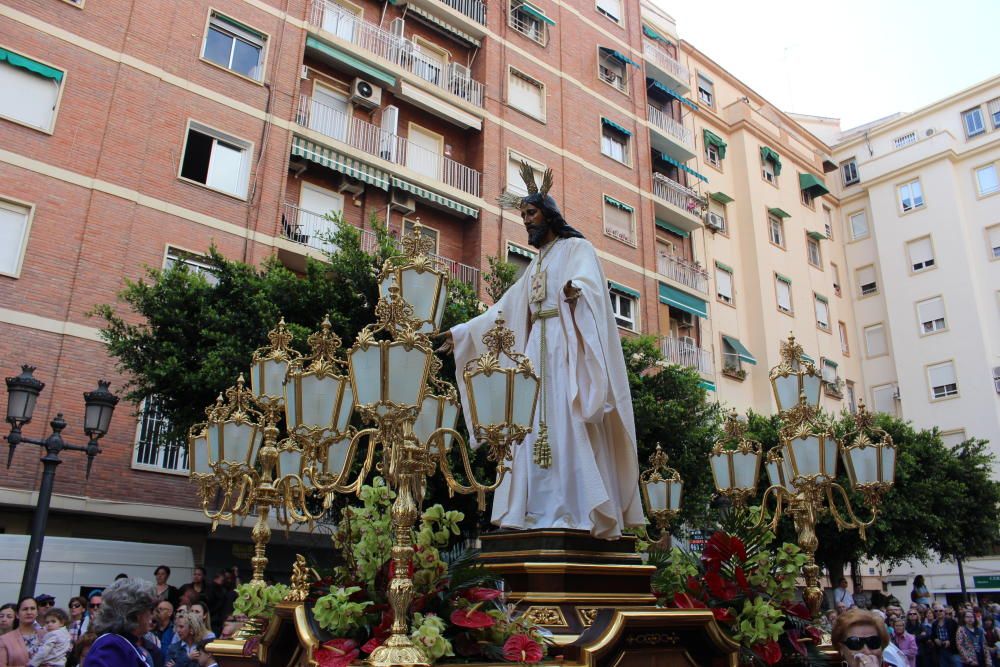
x: 672, y: 409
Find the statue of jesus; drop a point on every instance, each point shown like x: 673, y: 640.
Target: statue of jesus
x: 578, y: 468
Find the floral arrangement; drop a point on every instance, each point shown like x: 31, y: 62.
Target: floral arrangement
x: 257, y: 601
x: 749, y: 587
x: 459, y: 609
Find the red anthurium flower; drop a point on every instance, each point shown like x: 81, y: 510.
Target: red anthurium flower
x: 471, y: 618
x: 476, y: 594
x: 798, y: 609
x: 685, y: 601
x: 336, y: 653
x: 372, y: 644
x: 522, y: 648
x: 721, y: 547
x: 793, y: 639
x: 742, y: 581
x: 693, y: 585
x: 815, y: 634
x: 723, y: 614
x: 769, y: 652
x: 719, y: 587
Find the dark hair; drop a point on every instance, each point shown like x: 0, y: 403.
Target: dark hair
x: 13, y: 608
x: 17, y: 609
x: 553, y: 216
x: 918, y: 580
x: 121, y: 575
x: 164, y: 568
x: 199, y: 568
x: 123, y: 601
x: 78, y: 598
x: 58, y: 613
x: 82, y: 644
x: 96, y: 591
x: 202, y: 646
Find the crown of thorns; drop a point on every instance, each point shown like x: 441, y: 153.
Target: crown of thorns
x: 511, y: 200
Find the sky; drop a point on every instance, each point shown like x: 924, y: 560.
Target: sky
x: 857, y: 60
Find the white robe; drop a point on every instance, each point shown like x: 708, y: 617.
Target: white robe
x: 593, y: 482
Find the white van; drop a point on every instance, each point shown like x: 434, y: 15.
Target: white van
x: 73, y: 566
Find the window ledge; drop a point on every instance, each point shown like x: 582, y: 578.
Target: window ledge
x: 182, y: 179
x: 158, y: 469
x: 230, y: 71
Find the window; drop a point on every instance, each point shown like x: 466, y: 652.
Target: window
x: 942, y: 380
x: 216, y: 160
x: 994, y: 241
x: 15, y: 219
x: 767, y: 171
x: 526, y: 94
x: 910, y: 195
x: 153, y: 448
x: 807, y: 199
x: 192, y: 262
x: 426, y: 232
x: 783, y: 292
x: 829, y: 372
x: 30, y: 90
x: 618, y: 220
x: 520, y: 257
x: 986, y: 180
x: 623, y: 306
x: 953, y: 438
x: 875, y: 342
x: 859, y: 225
x: 613, y: 71
x: 706, y: 91
x: 524, y: 19
x: 429, y: 60
x: 614, y: 143
x: 828, y: 222
x: 884, y: 399
x: 776, y: 230
x: 514, y: 182
x: 904, y: 140
x: 993, y: 108
x: 973, y: 122
x: 930, y: 315
x: 836, y: 278
x: 712, y: 155
x: 611, y: 8
x: 822, y: 312
x: 234, y: 46
x: 849, y: 172
x: 852, y: 398
x: 724, y: 284
x: 867, y: 283
x: 842, y: 330
x: 921, y: 254
x: 424, y: 151
x: 814, y: 254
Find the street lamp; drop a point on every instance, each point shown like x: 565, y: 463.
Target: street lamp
x: 662, y: 488
x: 802, y: 469
x: 22, y: 395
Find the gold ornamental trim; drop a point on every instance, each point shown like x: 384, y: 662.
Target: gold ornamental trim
x: 587, y: 615
x: 588, y: 598
x: 562, y: 552
x: 548, y: 616
x: 583, y: 568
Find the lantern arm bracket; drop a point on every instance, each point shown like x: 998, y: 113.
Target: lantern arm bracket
x: 779, y: 494
x: 852, y: 522
x: 454, y: 486
x: 328, y: 489
x: 229, y: 482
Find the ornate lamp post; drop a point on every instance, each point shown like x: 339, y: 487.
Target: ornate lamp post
x: 661, y: 488
x: 388, y: 380
x: 802, y: 469
x: 22, y: 394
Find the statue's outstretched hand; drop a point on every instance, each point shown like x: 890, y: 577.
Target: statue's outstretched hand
x: 448, y: 346
x: 572, y: 294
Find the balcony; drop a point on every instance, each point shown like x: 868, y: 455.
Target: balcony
x: 668, y: 71
x: 373, y: 140
x: 670, y: 137
x: 313, y: 229
x: 685, y: 352
x: 677, y: 204
x: 682, y: 271
x: 343, y: 25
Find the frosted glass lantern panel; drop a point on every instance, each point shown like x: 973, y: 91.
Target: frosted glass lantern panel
x: 199, y: 455
x: 657, y: 495
x: 239, y: 441
x: 805, y: 456
x: 747, y: 467
x: 366, y: 370
x: 427, y: 418
x: 811, y: 384
x: 267, y: 378
x: 336, y: 454
x: 490, y: 395
x: 830, y: 456
x: 888, y: 464
x: 315, y: 403
x: 289, y: 462
x: 773, y: 473
x: 720, y: 471
x: 787, y: 391
x: 786, y: 471
x: 407, y: 374
x: 525, y: 398
x: 422, y: 290
x: 865, y: 463
x: 675, y: 491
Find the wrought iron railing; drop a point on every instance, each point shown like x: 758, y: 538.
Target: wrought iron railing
x: 676, y: 194
x: 474, y: 9
x: 684, y: 352
x: 669, y: 126
x: 661, y: 59
x: 684, y: 272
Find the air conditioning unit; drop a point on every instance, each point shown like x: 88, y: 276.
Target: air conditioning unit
x: 350, y: 185
x: 688, y: 343
x: 365, y: 94
x: 305, y: 72
x: 715, y: 221
x: 402, y: 201
x: 685, y: 321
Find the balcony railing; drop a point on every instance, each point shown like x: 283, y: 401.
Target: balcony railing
x: 313, y: 230
x: 660, y: 58
x: 684, y: 272
x: 400, y: 51
x: 372, y: 139
x: 684, y: 352
x: 474, y: 9
x: 675, y: 193
x: 670, y: 126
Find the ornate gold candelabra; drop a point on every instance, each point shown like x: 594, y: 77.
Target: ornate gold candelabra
x: 662, y: 489
x: 388, y: 380
x: 802, y: 470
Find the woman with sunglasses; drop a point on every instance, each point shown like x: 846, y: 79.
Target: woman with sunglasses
x: 77, y: 607
x: 860, y: 636
x: 971, y: 640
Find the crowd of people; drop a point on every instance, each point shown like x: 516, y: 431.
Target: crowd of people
x: 131, y: 622
x: 927, y: 634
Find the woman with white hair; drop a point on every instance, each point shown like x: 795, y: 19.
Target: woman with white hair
x: 123, y: 619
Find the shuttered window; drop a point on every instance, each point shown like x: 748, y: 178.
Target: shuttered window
x: 921, y: 254
x: 942, y: 380
x: 930, y: 312
x: 875, y: 343
x: 526, y: 94
x: 867, y: 284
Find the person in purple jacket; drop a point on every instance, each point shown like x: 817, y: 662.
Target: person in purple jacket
x: 120, y: 624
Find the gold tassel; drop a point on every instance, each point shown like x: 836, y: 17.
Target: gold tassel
x: 542, y: 451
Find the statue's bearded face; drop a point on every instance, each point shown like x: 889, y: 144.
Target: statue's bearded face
x: 536, y: 224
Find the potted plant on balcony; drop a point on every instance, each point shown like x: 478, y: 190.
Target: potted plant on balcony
x: 734, y: 372
x: 834, y: 388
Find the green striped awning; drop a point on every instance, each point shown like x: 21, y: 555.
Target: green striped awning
x: 783, y: 278
x: 806, y: 359
x: 33, y: 66
x: 435, y: 198
x: 523, y: 252
x: 620, y: 57
x: 821, y: 298
x: 830, y: 362
x: 813, y: 185
x: 721, y: 197
x: 622, y: 205
x: 336, y: 54
x: 740, y: 349
x: 615, y: 126
x: 663, y: 157
x: 818, y: 236
x: 667, y: 90
x: 663, y: 224
x: 707, y: 385
x: 678, y: 299
x: 444, y: 25
x: 715, y: 140
x: 652, y: 34
x: 624, y: 290
x: 531, y: 10
x: 781, y: 213
x: 724, y: 267
x: 340, y: 162
x: 768, y: 154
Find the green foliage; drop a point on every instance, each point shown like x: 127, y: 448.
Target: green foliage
x: 365, y: 535
x: 258, y: 601
x: 673, y: 409
x: 428, y: 633
x: 499, y: 278
x: 337, y: 613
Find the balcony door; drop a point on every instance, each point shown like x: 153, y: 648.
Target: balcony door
x: 340, y: 20
x: 314, y: 204
x: 330, y: 112
x: 424, y: 151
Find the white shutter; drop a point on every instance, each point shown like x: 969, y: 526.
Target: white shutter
x: 866, y: 281
x: 423, y: 152
x: 931, y: 315
x: 859, y: 225
x: 612, y: 8
x: 784, y: 291
x: 524, y: 94
x: 995, y: 242
x: 921, y: 253
x: 388, y: 139
x: 13, y: 225
x: 225, y: 168
x: 875, y: 340
x: 618, y: 222
x: 942, y: 374
x: 883, y: 399
x: 829, y: 371
x: 724, y: 284
x: 822, y: 314
x: 27, y: 97
x: 397, y: 26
